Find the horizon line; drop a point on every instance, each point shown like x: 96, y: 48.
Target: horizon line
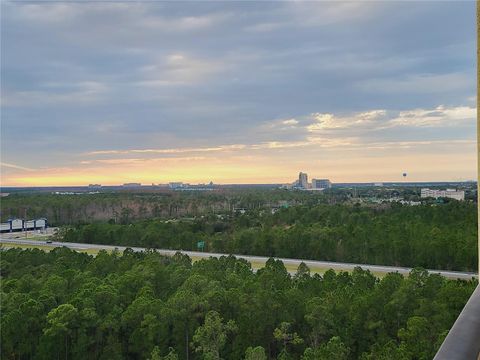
x: 235, y: 184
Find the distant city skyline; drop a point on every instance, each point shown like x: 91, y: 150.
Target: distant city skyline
x: 231, y: 92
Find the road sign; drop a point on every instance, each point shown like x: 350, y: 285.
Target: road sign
x: 201, y: 245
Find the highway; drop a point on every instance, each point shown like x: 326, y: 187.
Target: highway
x: 257, y: 261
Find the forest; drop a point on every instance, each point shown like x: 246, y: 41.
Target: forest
x: 435, y: 236
x: 126, y: 206
x: 67, y: 305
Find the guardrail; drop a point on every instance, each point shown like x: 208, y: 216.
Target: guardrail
x: 463, y: 339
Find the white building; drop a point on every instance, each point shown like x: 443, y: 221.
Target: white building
x: 16, y: 224
x: 321, y: 184
x: 177, y: 185
x: 449, y: 193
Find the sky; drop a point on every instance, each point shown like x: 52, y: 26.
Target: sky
x: 236, y: 92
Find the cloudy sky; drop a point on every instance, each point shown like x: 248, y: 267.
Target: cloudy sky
x: 236, y: 92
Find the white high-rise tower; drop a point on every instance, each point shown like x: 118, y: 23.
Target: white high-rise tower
x: 303, y: 180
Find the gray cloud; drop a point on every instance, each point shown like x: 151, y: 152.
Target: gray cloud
x: 82, y: 77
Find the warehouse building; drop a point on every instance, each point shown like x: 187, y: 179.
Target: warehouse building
x: 23, y: 225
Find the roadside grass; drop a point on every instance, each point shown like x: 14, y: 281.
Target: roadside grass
x: 256, y: 265
x: 41, y: 247
x: 34, y: 237
x: 45, y: 247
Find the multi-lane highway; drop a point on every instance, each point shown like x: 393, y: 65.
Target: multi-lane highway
x: 257, y: 261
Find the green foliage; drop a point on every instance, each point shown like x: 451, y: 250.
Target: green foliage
x: 172, y: 355
x: 286, y: 337
x: 211, y: 337
x: 255, y: 353
x: 334, y: 349
x: 68, y: 305
x: 123, y: 207
x: 431, y: 236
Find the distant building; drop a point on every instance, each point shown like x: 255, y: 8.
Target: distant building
x: 131, y: 185
x: 176, y: 185
x: 94, y: 186
x: 181, y: 186
x: 303, y: 180
x: 321, y: 184
x: 449, y: 193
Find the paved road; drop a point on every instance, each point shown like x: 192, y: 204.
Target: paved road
x: 314, y: 265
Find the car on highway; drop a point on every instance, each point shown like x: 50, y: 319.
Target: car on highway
x: 48, y: 241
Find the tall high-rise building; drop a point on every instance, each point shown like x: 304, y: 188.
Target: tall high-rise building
x: 303, y: 180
